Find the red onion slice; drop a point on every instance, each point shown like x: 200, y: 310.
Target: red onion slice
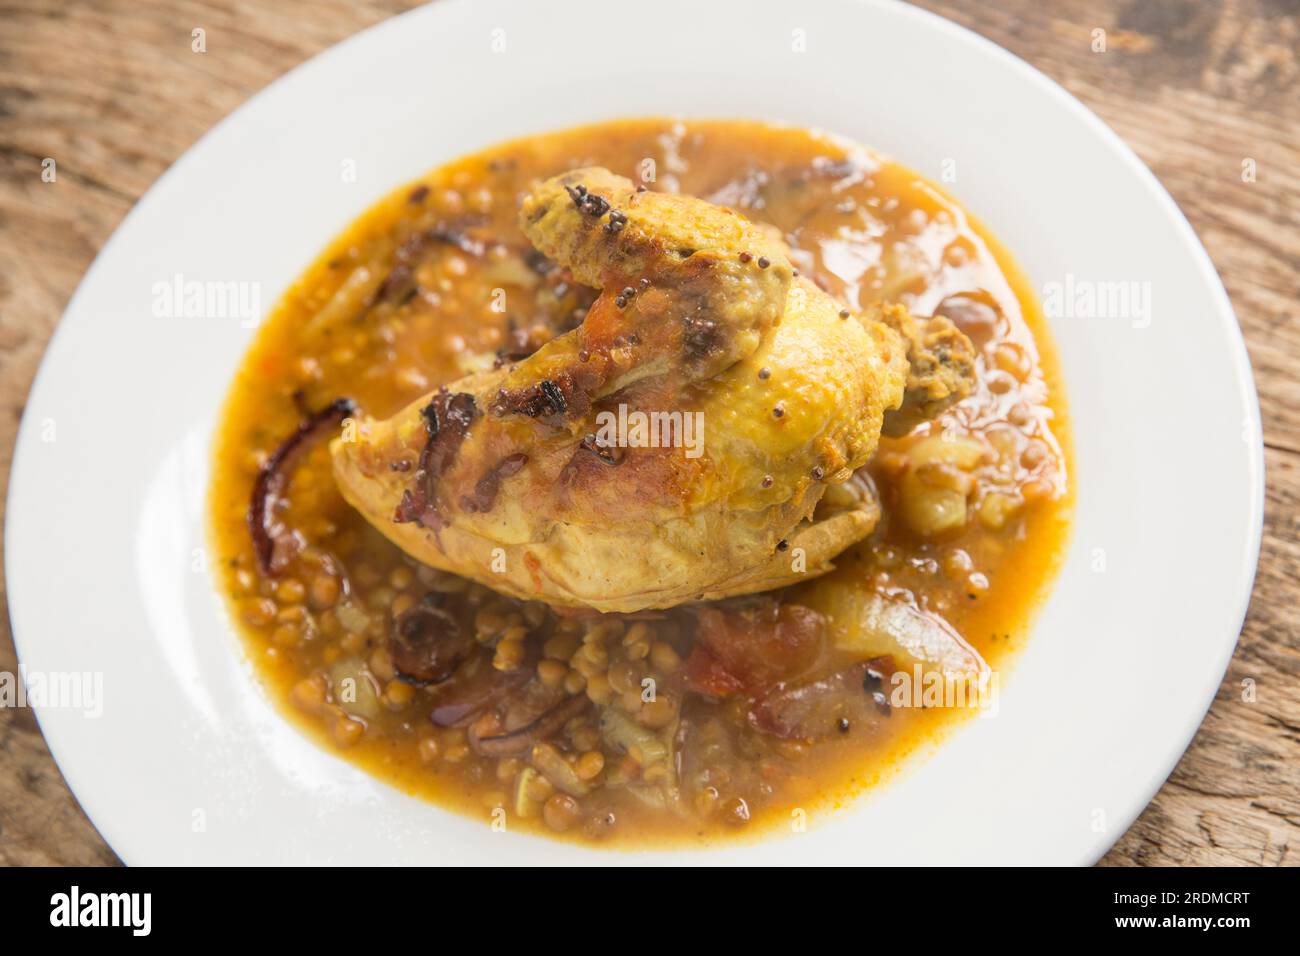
x: 273, y: 477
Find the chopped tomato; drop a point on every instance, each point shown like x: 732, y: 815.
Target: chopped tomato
x: 705, y: 674
x: 759, y: 644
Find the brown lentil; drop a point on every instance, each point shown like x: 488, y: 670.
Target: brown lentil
x: 561, y: 812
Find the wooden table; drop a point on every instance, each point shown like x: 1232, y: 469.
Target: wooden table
x: 112, y: 90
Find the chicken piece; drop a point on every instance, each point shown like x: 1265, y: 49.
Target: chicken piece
x: 678, y: 445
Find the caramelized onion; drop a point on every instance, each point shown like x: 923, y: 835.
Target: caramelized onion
x: 428, y: 643
x: 447, y: 418
x: 273, y: 477
x: 475, y: 686
x: 518, y: 742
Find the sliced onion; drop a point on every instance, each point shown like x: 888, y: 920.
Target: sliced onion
x: 472, y: 688
x: 516, y: 743
x: 273, y: 543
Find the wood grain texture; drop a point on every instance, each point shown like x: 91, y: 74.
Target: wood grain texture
x: 112, y: 91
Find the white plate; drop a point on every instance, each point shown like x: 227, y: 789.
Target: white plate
x: 189, y: 762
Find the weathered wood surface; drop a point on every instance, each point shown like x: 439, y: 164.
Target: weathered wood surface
x: 113, y: 92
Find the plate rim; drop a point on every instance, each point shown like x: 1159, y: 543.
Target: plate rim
x: 21, y: 473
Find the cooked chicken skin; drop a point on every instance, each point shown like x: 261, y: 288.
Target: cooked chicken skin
x: 512, y: 477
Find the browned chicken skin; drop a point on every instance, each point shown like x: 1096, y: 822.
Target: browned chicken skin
x: 512, y: 477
